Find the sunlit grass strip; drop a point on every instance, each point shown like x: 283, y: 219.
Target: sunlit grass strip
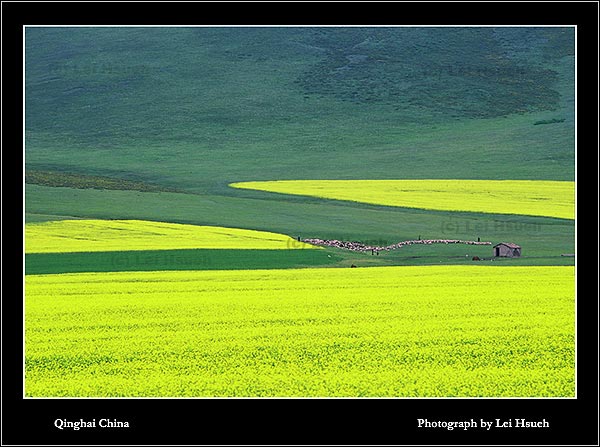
x: 120, y: 235
x: 388, y: 331
x: 526, y: 197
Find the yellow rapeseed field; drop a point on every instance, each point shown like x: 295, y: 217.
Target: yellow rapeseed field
x: 116, y: 235
x: 527, y: 197
x: 450, y: 331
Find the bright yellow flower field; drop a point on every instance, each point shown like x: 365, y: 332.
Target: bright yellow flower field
x: 386, y: 331
x: 527, y: 197
x: 116, y: 235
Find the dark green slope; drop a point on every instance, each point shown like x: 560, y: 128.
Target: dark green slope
x: 190, y: 106
x: 149, y: 260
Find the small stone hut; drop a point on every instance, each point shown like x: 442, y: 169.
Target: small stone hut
x: 507, y: 250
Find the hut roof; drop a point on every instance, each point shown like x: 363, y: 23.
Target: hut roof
x: 508, y: 244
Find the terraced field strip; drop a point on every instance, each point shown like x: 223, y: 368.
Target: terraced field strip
x: 385, y: 331
x: 125, y: 235
x: 191, y: 259
x: 525, y: 197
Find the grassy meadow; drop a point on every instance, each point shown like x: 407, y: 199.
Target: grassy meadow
x: 138, y: 235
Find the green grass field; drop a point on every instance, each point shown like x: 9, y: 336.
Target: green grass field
x: 169, y: 124
x: 201, y: 259
x: 155, y: 124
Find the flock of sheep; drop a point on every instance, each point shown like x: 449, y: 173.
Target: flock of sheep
x: 358, y: 246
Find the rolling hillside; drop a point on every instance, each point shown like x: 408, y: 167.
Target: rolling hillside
x: 155, y: 123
